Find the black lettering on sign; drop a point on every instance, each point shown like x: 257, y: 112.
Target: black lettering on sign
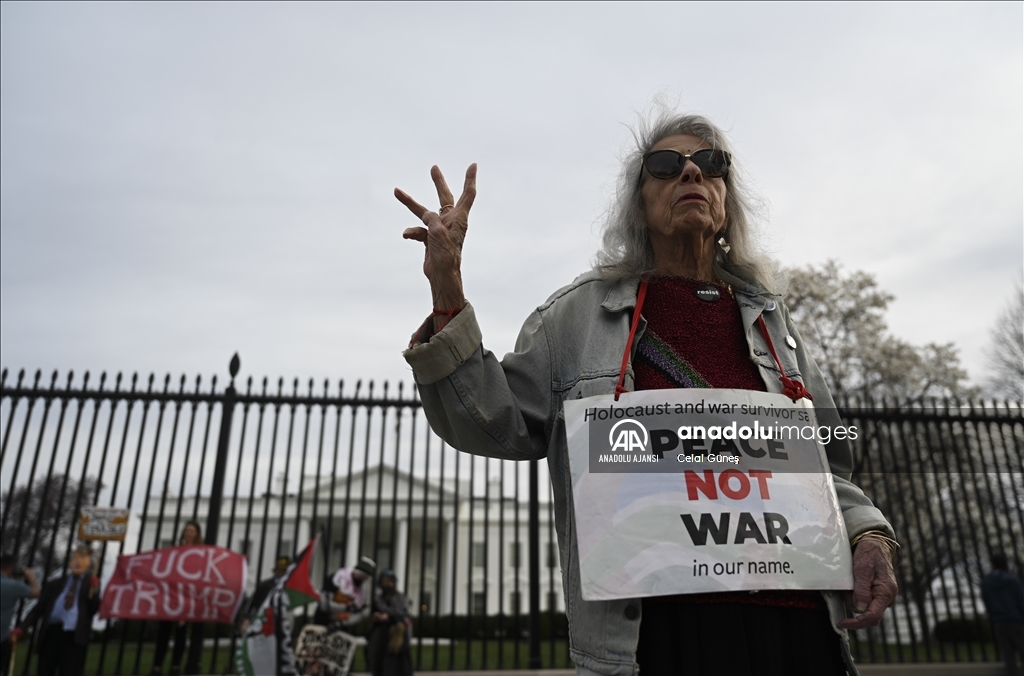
x: 699, y: 534
x: 747, y: 529
x: 776, y: 526
x: 663, y: 440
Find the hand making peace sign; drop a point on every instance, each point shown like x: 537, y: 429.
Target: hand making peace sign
x: 443, y: 236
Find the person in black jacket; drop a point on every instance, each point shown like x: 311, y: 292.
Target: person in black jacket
x: 64, y: 614
x: 191, y: 534
x: 263, y: 590
x: 387, y: 648
x: 1003, y: 593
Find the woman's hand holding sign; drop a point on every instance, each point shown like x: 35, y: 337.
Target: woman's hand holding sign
x: 874, y: 585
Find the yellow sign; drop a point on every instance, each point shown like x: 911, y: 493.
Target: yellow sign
x: 103, y: 523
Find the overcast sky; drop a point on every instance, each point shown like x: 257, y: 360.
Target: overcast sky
x: 181, y: 181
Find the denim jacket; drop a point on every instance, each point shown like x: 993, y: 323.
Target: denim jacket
x: 571, y: 347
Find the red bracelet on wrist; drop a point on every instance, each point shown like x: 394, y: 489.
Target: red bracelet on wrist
x: 447, y: 314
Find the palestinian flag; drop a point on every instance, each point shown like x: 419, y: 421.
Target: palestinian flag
x: 297, y: 586
x: 266, y: 646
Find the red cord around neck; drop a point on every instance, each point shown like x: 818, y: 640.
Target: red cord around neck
x: 794, y: 389
x: 640, y: 295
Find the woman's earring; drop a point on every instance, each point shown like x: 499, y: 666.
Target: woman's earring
x: 725, y: 245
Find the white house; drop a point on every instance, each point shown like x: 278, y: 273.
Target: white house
x: 448, y: 550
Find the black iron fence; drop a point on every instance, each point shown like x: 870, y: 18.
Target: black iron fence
x: 267, y: 466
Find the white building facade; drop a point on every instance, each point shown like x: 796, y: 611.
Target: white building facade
x: 452, y: 551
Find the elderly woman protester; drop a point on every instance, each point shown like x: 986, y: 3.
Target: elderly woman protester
x: 681, y: 224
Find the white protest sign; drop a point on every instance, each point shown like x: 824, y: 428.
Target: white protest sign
x: 103, y: 523
x: 703, y: 490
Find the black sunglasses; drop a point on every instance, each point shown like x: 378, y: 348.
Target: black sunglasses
x: 670, y: 163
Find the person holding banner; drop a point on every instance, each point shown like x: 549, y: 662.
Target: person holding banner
x: 191, y: 534
x: 679, y: 298
x: 64, y: 613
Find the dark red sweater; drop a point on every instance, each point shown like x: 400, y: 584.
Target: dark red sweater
x: 693, y: 343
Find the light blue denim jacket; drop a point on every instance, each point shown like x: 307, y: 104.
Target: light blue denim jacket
x: 571, y: 347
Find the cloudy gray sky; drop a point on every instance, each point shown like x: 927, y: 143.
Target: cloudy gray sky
x: 181, y: 181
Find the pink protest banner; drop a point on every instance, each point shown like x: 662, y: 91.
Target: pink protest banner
x: 193, y: 583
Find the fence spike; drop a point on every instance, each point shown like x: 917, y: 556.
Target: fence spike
x: 234, y: 365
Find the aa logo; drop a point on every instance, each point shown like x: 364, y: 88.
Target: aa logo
x: 628, y: 435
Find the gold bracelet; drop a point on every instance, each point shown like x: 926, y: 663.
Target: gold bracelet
x: 895, y: 551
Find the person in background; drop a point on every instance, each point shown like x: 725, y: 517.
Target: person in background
x: 191, y: 534
x: 346, y: 602
x: 1003, y: 593
x: 263, y: 589
x: 11, y: 591
x: 387, y: 649
x: 64, y: 613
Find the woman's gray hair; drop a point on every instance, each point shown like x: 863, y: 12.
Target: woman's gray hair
x: 626, y: 250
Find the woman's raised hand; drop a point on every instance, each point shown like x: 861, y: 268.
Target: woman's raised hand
x: 443, y: 236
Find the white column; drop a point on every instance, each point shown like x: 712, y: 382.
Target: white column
x: 449, y: 565
x: 400, y: 546
x: 352, y: 544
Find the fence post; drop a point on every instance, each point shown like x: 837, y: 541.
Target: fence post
x: 534, y: 538
x: 221, y: 463
x: 195, y: 648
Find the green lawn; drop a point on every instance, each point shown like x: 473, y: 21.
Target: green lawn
x: 459, y: 656
x: 465, y: 655
x: 873, y: 653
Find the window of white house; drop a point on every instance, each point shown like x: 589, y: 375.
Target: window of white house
x: 479, y: 554
x: 429, y: 557
x: 515, y: 602
x: 479, y: 603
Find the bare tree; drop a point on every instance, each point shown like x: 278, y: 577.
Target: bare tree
x: 1006, y: 351
x: 41, y: 519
